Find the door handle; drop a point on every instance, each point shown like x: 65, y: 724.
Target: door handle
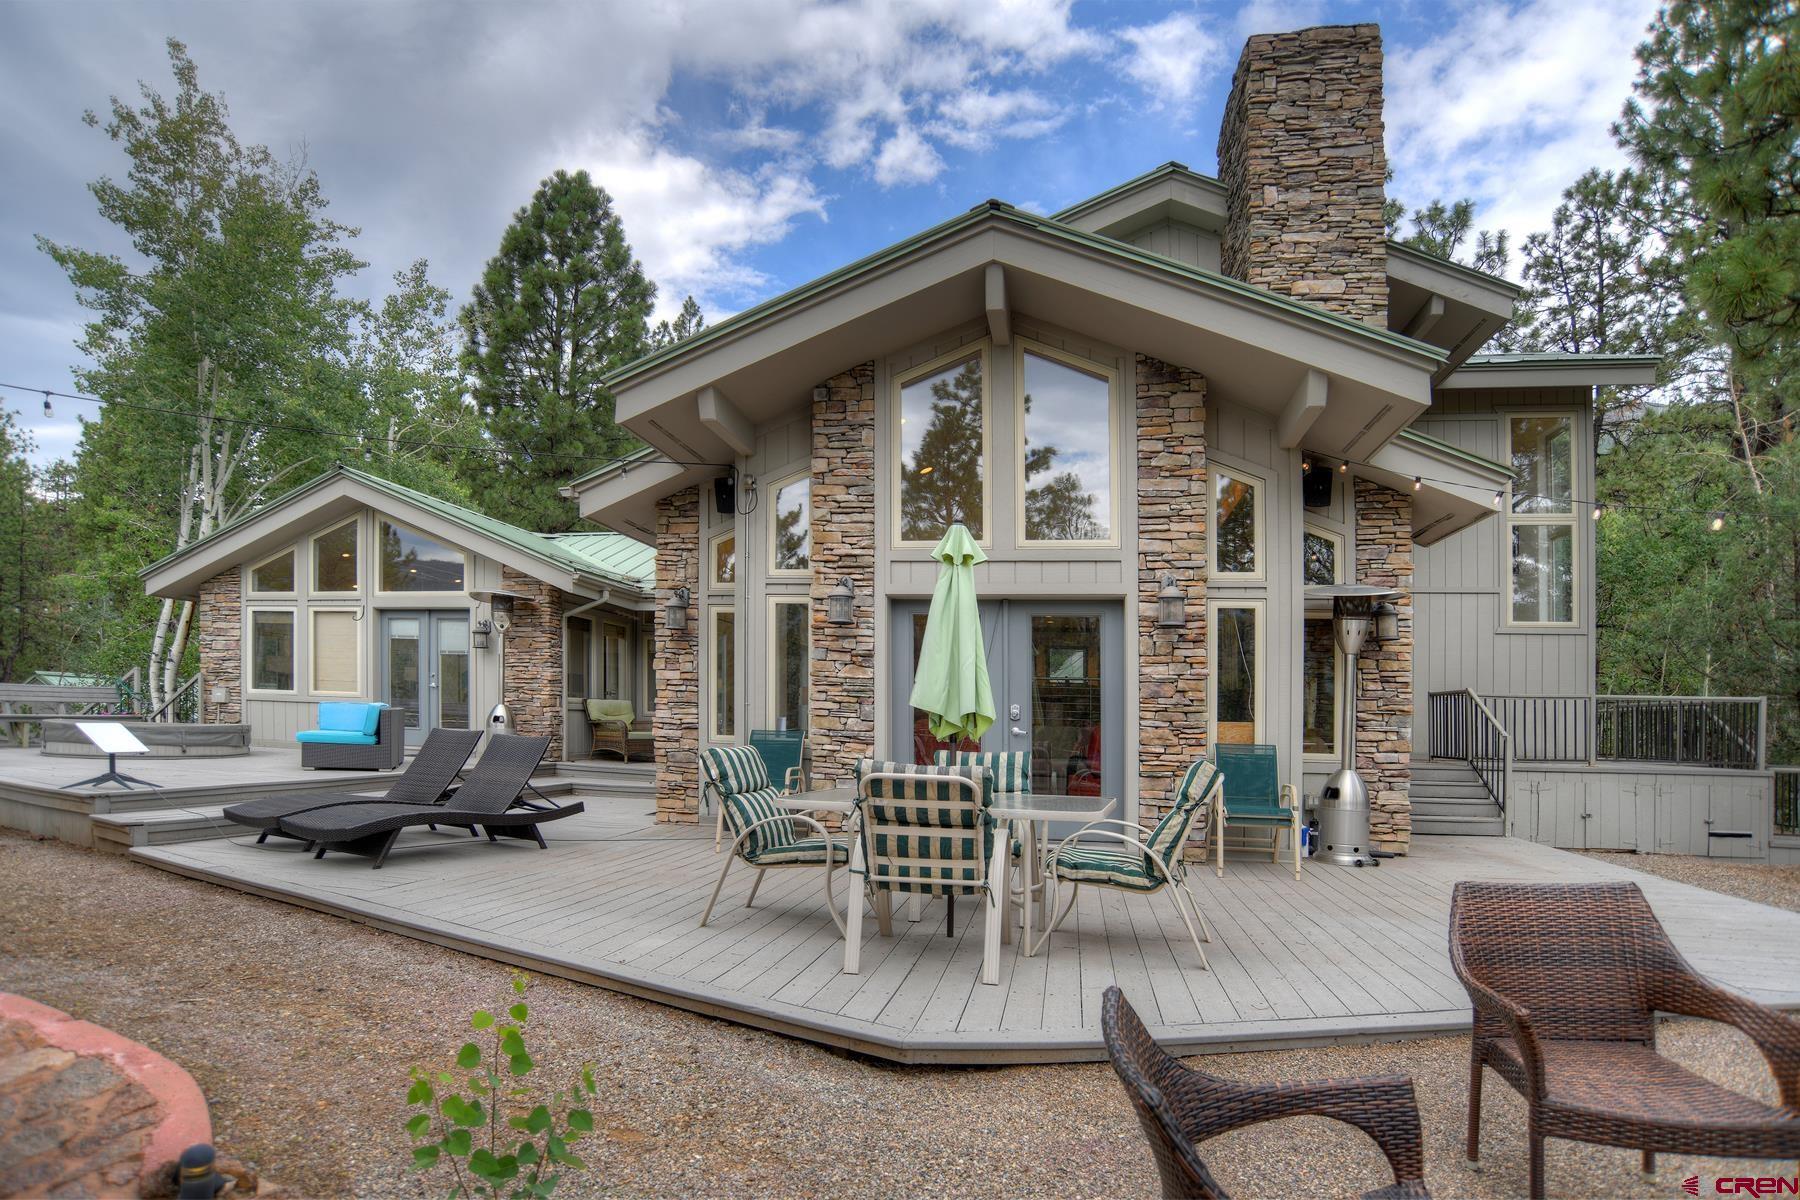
x: 1017, y: 732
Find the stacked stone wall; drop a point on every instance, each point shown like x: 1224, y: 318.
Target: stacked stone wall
x: 1384, y: 678
x: 532, y: 683
x: 841, y: 680
x: 677, y: 720
x: 219, y: 635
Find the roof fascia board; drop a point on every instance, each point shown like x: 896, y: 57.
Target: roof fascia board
x: 1627, y: 372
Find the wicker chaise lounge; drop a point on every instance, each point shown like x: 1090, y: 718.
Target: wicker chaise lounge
x: 1179, y: 1107
x: 485, y: 800
x: 426, y: 779
x: 1567, y: 980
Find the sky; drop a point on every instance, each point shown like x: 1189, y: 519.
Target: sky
x: 749, y: 145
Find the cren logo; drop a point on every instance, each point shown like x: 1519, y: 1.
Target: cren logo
x: 1765, y: 1185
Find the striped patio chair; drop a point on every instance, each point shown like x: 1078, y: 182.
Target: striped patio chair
x: 1132, y: 858
x: 926, y: 830
x: 727, y: 771
x: 1012, y: 776
x: 767, y: 836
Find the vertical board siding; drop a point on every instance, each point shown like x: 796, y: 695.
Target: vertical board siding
x: 1652, y: 812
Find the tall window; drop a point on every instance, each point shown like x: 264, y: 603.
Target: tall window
x: 1541, y: 520
x: 272, y: 650
x: 790, y: 652
x: 792, y: 525
x: 943, y: 449
x: 1238, y: 672
x: 274, y: 575
x: 578, y: 652
x: 724, y: 673
x: 1320, y: 556
x: 613, y: 639
x: 1319, y: 687
x: 412, y: 562
x: 723, y: 556
x: 1065, y: 418
x: 336, y: 652
x: 334, y: 560
x: 1236, y: 524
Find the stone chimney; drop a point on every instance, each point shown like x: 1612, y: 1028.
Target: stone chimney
x: 1300, y: 152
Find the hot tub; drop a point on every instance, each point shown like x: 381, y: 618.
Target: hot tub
x: 63, y: 740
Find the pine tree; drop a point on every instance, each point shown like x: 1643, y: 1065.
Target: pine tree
x: 689, y: 321
x: 943, y: 484
x: 563, y: 303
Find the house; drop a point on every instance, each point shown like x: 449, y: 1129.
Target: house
x: 1228, y: 392
x: 351, y: 586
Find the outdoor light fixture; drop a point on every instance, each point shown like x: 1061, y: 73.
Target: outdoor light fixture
x: 1418, y: 484
x: 1387, y: 622
x: 1718, y: 522
x: 1171, y: 603
x: 480, y: 632
x: 840, y: 606
x: 675, y: 612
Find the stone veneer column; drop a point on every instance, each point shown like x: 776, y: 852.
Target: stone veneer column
x: 1384, y: 684
x: 1171, y: 517
x: 841, y: 683
x: 219, y: 633
x: 677, y: 661
x: 1301, y: 156
x: 532, y: 684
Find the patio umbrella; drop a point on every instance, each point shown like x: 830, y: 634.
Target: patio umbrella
x: 951, y: 684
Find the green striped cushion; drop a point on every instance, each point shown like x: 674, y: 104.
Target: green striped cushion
x: 744, y: 809
x: 1192, y: 796
x: 803, y: 850
x: 1114, y: 865
x: 903, y: 821
x: 1011, y: 768
x: 735, y: 768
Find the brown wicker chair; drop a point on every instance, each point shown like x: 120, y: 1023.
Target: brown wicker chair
x: 1178, y: 1107
x: 1566, y: 981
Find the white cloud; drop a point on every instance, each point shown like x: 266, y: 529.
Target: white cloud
x: 972, y: 119
x: 907, y: 158
x: 1167, y: 59
x: 1277, y: 16
x: 1509, y: 104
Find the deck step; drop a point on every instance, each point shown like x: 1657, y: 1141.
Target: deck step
x: 1427, y: 826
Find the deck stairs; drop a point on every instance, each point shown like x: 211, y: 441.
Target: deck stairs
x: 1448, y: 798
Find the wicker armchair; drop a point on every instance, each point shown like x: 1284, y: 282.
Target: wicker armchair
x: 1566, y: 981
x: 615, y: 728
x: 1179, y: 1107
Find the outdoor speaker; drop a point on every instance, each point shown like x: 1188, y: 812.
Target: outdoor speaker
x: 1315, y: 486
x: 725, y: 495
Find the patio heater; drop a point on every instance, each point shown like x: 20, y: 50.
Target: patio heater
x: 1343, y: 807
x: 499, y: 718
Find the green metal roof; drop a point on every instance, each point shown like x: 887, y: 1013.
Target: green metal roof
x: 1001, y: 211
x: 618, y: 466
x: 613, y: 554
x: 546, y: 548
x: 1427, y: 442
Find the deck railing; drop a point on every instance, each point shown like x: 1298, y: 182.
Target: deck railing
x: 1463, y: 725
x: 1719, y: 732
x: 1787, y: 802
x: 184, y: 705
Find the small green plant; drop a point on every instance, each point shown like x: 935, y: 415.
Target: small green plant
x: 468, y: 1118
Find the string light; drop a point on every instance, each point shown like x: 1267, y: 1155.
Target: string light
x: 48, y: 411
x: 1344, y: 467
x: 1596, y: 510
x: 1718, y: 522
x: 1499, y: 498
x: 1418, y: 484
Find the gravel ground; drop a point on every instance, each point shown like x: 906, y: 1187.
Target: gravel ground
x: 300, y: 1028
x: 1766, y: 883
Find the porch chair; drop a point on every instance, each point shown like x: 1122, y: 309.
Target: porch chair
x: 353, y: 736
x: 615, y: 727
x: 784, y: 756
x: 1253, y: 797
x: 1012, y: 777
x: 1179, y: 1107
x: 728, y: 771
x: 766, y: 836
x: 1143, y: 860
x: 925, y: 830
x: 1567, y: 980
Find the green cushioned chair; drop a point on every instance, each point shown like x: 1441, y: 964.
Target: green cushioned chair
x: 726, y: 771
x: 784, y: 756
x: 767, y: 836
x: 616, y: 728
x: 1254, y: 797
x: 1134, y: 858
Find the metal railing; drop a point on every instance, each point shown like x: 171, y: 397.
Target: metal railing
x: 1547, y: 728
x: 1718, y: 732
x: 1462, y: 725
x: 184, y: 705
x: 1786, y: 811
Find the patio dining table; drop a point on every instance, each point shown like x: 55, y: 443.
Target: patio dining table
x: 1029, y: 815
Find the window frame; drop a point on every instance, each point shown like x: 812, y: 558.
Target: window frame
x: 1337, y: 551
x: 714, y: 583
x: 249, y: 650
x: 1260, y: 678
x: 1338, y: 693
x: 312, y: 556
x: 771, y: 698
x: 607, y: 627
x: 250, y: 588
x: 587, y: 656
x: 383, y: 519
x: 1514, y: 520
x: 313, y: 613
x: 981, y: 348
x: 1259, y: 541
x: 712, y: 677
x: 1115, y: 438
x: 775, y: 488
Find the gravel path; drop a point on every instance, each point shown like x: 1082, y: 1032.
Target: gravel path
x: 300, y: 1028
x: 1765, y: 883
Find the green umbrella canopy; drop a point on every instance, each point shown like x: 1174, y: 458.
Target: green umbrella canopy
x: 951, y: 684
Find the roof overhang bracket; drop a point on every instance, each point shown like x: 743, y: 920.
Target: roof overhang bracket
x: 724, y: 420
x: 1302, y: 409
x: 1428, y: 316
x: 998, y: 316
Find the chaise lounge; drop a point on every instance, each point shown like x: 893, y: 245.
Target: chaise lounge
x: 484, y: 801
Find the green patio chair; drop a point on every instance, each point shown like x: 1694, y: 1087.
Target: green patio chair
x: 1254, y: 797
x: 728, y: 771
x: 784, y: 755
x: 767, y: 837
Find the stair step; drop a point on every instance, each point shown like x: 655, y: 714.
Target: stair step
x: 1454, y: 807
x: 1458, y: 826
x: 1447, y: 791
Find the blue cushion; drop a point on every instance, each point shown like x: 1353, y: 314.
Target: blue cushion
x: 336, y: 737
x: 350, y: 717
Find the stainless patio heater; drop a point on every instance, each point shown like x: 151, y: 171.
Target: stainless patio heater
x: 1343, y: 808
x: 499, y: 719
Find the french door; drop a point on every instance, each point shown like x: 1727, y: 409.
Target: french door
x: 425, y: 670
x: 1056, y: 669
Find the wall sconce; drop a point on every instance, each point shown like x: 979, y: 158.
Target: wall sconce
x: 480, y: 632
x: 1387, y: 622
x: 840, y: 606
x: 675, y: 612
x: 1171, y: 603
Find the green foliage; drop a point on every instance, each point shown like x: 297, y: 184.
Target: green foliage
x: 34, y: 527
x: 1440, y: 229
x: 559, y: 306
x: 485, y: 1126
x: 689, y: 321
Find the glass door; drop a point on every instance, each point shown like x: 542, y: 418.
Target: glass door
x: 450, y: 669
x: 402, y: 670
x: 425, y: 670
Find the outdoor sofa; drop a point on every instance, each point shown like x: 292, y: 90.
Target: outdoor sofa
x: 353, y: 736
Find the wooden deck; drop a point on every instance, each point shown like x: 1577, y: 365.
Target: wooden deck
x: 1342, y: 954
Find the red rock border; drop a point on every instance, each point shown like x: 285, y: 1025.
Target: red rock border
x: 184, y: 1117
